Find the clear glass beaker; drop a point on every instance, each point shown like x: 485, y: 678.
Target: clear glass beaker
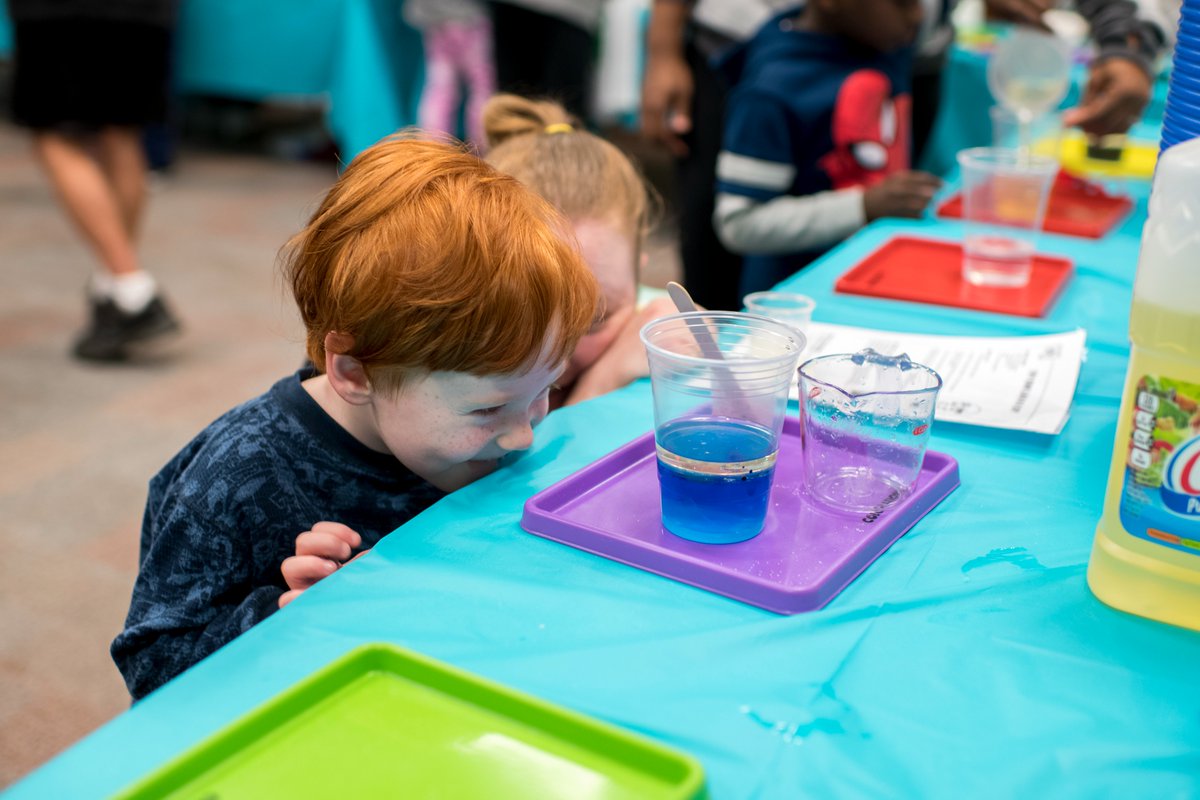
x: 866, y: 420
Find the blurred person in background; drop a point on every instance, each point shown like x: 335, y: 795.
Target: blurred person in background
x: 457, y: 37
x: 683, y: 97
x: 547, y: 48
x: 817, y: 134
x: 1162, y: 14
x: 89, y: 74
x: 683, y: 105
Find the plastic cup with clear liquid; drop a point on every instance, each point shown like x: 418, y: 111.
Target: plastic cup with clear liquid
x: 1005, y: 194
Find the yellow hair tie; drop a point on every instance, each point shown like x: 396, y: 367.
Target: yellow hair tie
x: 559, y: 127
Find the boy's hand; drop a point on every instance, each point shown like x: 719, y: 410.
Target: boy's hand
x: 319, y: 553
x: 901, y: 194
x: 1117, y: 92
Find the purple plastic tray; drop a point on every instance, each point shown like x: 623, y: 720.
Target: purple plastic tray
x: 802, y: 559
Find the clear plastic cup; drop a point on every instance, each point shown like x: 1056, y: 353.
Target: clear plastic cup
x: 866, y: 420
x: 720, y: 382
x: 788, y: 307
x: 1005, y: 192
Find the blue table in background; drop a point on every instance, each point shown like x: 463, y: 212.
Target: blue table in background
x: 970, y: 660
x: 357, y: 56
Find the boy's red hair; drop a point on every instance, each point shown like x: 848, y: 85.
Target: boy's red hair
x: 423, y: 257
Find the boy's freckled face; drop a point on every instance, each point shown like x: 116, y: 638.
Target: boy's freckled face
x: 451, y: 428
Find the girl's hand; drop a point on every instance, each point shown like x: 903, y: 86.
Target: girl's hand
x: 625, y: 359
x: 319, y: 553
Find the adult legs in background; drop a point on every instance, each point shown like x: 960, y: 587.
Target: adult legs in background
x: 540, y: 55
x: 122, y: 153
x: 516, y: 48
x: 85, y: 87
x: 92, y: 199
x: 104, y: 197
x: 711, y: 273
x: 438, y: 110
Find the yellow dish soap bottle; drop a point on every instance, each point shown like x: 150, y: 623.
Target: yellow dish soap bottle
x: 1146, y: 556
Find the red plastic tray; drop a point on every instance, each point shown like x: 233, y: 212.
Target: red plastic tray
x: 1076, y: 208
x: 930, y: 271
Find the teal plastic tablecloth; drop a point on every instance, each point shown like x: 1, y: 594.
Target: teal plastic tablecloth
x: 970, y: 660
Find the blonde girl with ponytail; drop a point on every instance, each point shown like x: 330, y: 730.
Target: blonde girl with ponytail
x: 610, y: 206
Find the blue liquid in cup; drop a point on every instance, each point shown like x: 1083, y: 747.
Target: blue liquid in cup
x: 715, y: 476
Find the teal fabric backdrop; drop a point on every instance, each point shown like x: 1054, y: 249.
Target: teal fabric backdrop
x: 357, y: 56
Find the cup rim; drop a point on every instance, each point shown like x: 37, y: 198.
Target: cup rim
x: 804, y: 302
x: 857, y: 395
x: 1011, y: 158
x: 777, y: 327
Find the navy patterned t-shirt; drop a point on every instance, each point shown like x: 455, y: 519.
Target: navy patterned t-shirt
x: 225, y: 512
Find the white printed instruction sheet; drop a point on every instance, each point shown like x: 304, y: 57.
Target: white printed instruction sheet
x: 1017, y: 382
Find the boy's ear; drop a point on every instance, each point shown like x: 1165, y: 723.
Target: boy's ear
x: 348, y: 379
x: 347, y: 376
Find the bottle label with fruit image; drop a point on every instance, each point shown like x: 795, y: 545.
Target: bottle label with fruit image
x: 1160, y: 501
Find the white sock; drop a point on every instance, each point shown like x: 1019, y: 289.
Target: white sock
x: 133, y: 291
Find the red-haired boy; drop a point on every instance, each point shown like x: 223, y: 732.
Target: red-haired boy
x: 441, y: 302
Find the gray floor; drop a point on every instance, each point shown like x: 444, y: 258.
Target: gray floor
x: 78, y: 443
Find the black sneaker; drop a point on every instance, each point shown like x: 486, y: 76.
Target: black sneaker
x: 111, y: 330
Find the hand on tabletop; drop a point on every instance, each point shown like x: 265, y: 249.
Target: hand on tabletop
x: 319, y: 553
x: 1117, y: 92
x: 666, y: 98
x: 901, y: 194
x: 625, y: 359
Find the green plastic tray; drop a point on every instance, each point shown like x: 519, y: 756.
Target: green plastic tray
x: 384, y: 722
